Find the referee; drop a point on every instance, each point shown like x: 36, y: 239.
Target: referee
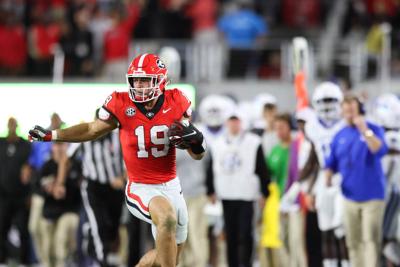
x: 102, y: 195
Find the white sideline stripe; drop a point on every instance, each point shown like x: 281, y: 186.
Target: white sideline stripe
x: 92, y: 221
x: 140, y: 64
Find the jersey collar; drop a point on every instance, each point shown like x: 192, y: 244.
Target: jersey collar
x: 152, y: 112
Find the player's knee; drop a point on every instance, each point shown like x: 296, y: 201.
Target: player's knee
x: 168, y: 223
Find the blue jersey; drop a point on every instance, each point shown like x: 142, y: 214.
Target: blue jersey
x: 361, y: 170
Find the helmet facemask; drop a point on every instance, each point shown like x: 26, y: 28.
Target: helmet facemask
x: 392, y: 140
x: 142, y: 94
x: 214, y: 117
x: 328, y: 109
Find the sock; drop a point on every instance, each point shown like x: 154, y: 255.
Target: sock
x: 345, y: 263
x: 330, y: 263
x: 326, y: 263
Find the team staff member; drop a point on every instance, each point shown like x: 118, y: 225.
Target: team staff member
x: 14, y: 191
x: 60, y: 210
x: 240, y: 177
x: 356, y: 153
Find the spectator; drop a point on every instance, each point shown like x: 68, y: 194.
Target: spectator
x: 374, y: 45
x: 117, y: 40
x: 77, y: 44
x: 207, y: 51
x: 382, y: 8
x: 175, y: 24
x: 13, y: 46
x: 243, y: 29
x: 98, y: 26
x: 203, y: 14
x: 43, y: 34
x: 61, y: 206
x: 271, y: 67
x: 301, y: 14
x: 240, y: 176
x: 356, y: 153
x: 14, y: 191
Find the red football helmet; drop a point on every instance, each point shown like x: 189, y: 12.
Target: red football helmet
x: 148, y: 68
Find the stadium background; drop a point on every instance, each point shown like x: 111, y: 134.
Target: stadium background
x: 60, y: 55
x: 344, y: 44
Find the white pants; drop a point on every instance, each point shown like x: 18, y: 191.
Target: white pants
x: 329, y: 203
x: 138, y: 197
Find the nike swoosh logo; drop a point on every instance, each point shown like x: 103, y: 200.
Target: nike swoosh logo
x: 166, y: 110
x: 190, y: 134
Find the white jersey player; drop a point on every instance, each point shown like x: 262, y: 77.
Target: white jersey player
x: 386, y: 112
x: 320, y: 131
x: 213, y: 111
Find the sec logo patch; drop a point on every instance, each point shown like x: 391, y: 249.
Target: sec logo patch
x: 130, y: 111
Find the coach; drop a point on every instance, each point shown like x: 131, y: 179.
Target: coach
x: 356, y: 153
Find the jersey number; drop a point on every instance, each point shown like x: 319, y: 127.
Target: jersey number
x: 155, y: 139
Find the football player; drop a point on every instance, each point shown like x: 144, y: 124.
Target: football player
x: 152, y: 122
x: 386, y: 112
x: 326, y: 101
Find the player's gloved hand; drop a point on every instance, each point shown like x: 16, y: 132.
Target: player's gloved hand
x: 38, y: 133
x: 178, y: 142
x: 184, y: 135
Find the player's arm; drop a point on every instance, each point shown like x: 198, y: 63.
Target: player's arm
x: 194, y: 155
x: 86, y: 131
x: 78, y: 133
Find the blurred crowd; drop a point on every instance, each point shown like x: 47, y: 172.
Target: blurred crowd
x: 94, y: 36
x: 261, y: 197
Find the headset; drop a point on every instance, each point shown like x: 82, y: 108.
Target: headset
x: 361, y: 106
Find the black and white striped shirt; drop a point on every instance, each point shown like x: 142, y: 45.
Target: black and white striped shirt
x: 101, y: 159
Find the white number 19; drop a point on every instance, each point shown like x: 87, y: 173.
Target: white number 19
x: 142, y: 152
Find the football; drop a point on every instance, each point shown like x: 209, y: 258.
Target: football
x: 175, y: 133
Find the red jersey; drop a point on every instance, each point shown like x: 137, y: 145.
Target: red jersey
x: 143, y: 134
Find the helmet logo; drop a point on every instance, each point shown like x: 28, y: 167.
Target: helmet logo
x: 130, y: 111
x: 160, y: 64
